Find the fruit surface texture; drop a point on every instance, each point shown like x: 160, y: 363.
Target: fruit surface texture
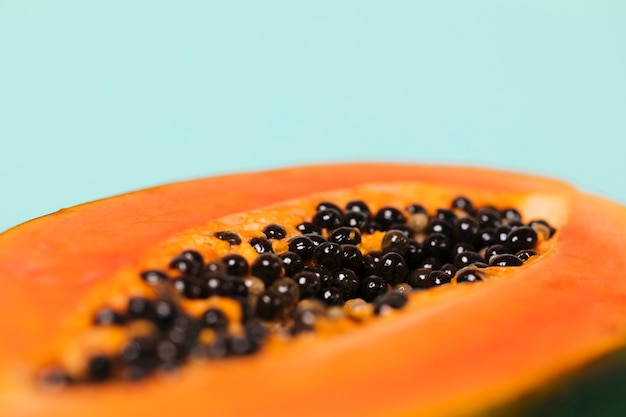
x: 454, y: 350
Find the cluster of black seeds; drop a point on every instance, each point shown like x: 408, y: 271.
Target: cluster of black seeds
x: 323, y: 268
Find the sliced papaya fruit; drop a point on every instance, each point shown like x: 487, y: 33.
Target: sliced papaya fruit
x: 69, y: 279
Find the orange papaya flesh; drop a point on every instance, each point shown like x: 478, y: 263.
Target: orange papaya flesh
x: 453, y: 351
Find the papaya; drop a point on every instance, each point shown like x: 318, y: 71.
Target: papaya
x: 532, y: 303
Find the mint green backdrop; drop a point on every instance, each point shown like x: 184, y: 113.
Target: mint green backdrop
x: 103, y: 97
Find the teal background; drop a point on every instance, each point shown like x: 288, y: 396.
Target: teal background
x: 99, y: 98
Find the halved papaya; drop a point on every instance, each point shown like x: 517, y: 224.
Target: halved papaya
x: 456, y: 349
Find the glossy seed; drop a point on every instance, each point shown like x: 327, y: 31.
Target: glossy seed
x: 185, y: 265
x: 154, y: 277
x: 308, y: 228
x: 274, y: 231
x: 511, y: 215
x: 418, y: 278
x: 270, y: 305
x: 462, y: 247
x: 402, y: 227
x: 466, y: 230
x: 140, y: 351
x: 523, y: 237
x: 216, y: 267
x: 302, y: 246
x: 371, y: 287
x: 331, y: 296
x: 329, y: 255
x: 488, y: 217
x: 323, y: 274
x: 215, y: 285
x: 256, y: 332
x: 501, y: 234
x: 234, y: 287
x: 543, y: 225
x: 437, y: 278
x: 287, y: 289
x: 346, y: 281
x: 466, y: 258
x: 387, y: 216
x: 505, y: 260
x: 448, y: 269
x: 328, y: 205
x: 464, y: 204
x: 352, y: 258
x: 261, y: 245
x: 292, y: 263
x: 215, y: 319
x: 232, y: 238
x: 497, y: 249
x: 345, y: 235
x: 168, y: 353
x: 107, y: 316
x: 430, y: 263
x: 218, y: 348
x: 254, y: 285
x: 436, y: 245
x: 392, y: 299
x: 358, y: 206
x: 468, y: 275
x: 436, y: 225
x: 236, y: 265
x: 140, y: 308
x: 524, y: 254
x: 303, y: 321
x: 99, y: 368
x: 371, y: 263
x: 370, y: 227
x: 327, y: 219
x: 191, y: 287
x: 414, y: 254
x: 395, y: 241
x: 446, y: 215
x: 240, y: 345
x: 355, y: 219
x: 194, y: 256
x: 308, y: 283
x: 317, y: 240
x: 393, y: 268
x: 268, y: 267
x: 416, y: 209
x: 487, y: 237
x: 543, y: 232
x: 184, y: 330
x: 165, y: 313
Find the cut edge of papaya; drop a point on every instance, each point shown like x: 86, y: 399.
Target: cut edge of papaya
x: 598, y: 332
